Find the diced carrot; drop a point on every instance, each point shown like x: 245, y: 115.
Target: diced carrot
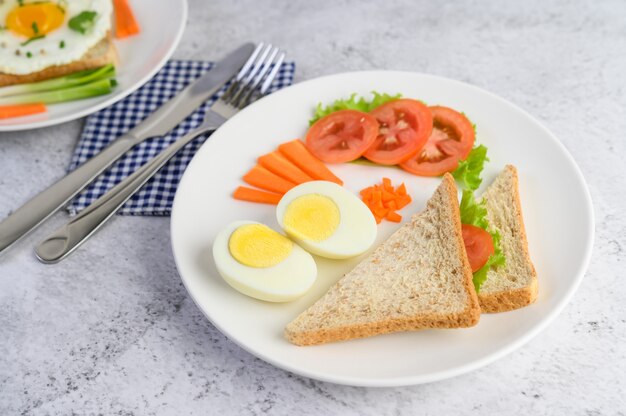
x: 278, y: 164
x: 402, y: 201
x: 387, y: 196
x: 393, y: 216
x: 380, y: 212
x: 243, y: 193
x: 367, y: 192
x: 262, y: 178
x: 125, y: 22
x: 387, y: 184
x: 21, y: 110
x: 383, y: 200
x: 377, y: 196
x: 300, y: 156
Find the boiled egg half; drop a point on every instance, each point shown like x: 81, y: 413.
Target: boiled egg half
x: 327, y: 220
x: 262, y: 263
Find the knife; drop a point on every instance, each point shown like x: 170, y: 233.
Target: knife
x: 42, y: 206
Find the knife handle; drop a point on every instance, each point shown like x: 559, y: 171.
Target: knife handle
x: 70, y: 236
x: 42, y: 206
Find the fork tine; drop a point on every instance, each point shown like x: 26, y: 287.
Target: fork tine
x: 264, y: 68
x: 259, y: 70
x: 249, y: 79
x: 270, y: 77
x: 234, y: 86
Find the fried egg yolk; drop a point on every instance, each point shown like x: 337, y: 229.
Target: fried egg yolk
x: 35, y: 19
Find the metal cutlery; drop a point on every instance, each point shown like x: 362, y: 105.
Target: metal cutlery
x: 42, y: 206
x: 261, y: 69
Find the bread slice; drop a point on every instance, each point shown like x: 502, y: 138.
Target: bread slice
x: 514, y: 285
x: 103, y: 53
x: 419, y: 278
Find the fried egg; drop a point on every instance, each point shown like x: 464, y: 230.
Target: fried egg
x: 35, y: 35
x: 327, y: 220
x: 262, y: 263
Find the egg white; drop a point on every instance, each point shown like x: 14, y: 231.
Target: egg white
x: 356, y: 231
x: 282, y: 282
x: 47, y: 52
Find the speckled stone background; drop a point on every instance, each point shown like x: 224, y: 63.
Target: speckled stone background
x: 111, y: 330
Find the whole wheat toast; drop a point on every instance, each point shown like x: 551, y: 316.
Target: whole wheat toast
x: 419, y: 278
x: 514, y: 285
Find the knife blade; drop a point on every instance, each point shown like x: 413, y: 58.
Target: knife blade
x: 43, y: 205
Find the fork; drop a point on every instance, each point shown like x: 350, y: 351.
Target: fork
x: 259, y: 70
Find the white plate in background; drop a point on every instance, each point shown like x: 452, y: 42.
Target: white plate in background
x: 555, y: 200
x: 141, y: 56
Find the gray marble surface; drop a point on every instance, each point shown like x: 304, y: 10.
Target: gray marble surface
x: 111, y: 330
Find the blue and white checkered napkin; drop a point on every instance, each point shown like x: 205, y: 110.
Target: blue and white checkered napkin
x: 156, y: 197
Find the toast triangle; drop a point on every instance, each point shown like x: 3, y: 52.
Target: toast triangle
x: 419, y: 278
x: 514, y: 285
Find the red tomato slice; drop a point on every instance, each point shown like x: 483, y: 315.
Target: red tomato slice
x: 478, y: 245
x: 405, y: 125
x: 342, y: 136
x: 451, y: 140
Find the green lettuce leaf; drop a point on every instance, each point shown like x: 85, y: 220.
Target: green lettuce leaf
x: 475, y: 213
x: 352, y: 103
x: 469, y: 170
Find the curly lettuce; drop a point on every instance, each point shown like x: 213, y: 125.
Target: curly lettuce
x: 469, y: 170
x: 352, y: 103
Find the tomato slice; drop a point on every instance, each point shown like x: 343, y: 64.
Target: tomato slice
x: 405, y: 125
x: 478, y: 245
x: 451, y: 140
x: 342, y: 136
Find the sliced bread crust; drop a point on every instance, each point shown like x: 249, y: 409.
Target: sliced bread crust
x: 419, y: 278
x: 514, y: 285
x: 103, y: 53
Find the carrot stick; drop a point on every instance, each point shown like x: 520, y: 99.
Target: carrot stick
x: 125, y: 22
x: 20, y: 110
x: 302, y: 158
x: 262, y: 178
x: 276, y: 163
x: 243, y: 193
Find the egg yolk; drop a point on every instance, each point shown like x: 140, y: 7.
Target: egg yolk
x: 35, y: 19
x: 257, y: 245
x: 312, y: 217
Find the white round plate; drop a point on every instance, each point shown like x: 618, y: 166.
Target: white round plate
x: 555, y: 201
x: 141, y: 56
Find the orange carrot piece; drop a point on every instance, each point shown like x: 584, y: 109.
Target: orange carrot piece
x: 300, y: 156
x: 243, y: 193
x: 21, y: 110
x: 402, y: 201
x: 401, y: 189
x: 380, y: 212
x: 125, y: 22
x: 387, y: 196
x: 392, y: 205
x: 367, y: 192
x: 387, y: 184
x: 281, y: 166
x: 393, y: 216
x: 378, y: 219
x: 377, y: 196
x: 262, y: 178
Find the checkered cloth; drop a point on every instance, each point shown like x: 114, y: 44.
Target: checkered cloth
x: 156, y: 197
